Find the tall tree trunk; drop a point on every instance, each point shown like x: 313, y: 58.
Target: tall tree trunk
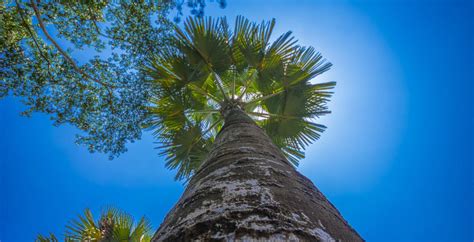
x: 246, y: 190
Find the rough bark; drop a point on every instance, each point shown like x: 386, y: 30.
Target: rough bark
x: 246, y: 190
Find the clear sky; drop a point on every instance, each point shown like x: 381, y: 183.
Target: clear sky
x: 396, y: 159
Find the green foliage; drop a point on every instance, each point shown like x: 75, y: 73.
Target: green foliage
x: 190, y: 74
x: 50, y: 238
x: 113, y: 225
x: 103, y: 94
x: 209, y: 67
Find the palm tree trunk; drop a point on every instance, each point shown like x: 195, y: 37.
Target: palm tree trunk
x: 246, y: 190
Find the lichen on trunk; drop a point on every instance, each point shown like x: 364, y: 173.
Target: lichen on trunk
x: 246, y: 190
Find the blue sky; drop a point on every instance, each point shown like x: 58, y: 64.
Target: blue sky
x: 396, y: 159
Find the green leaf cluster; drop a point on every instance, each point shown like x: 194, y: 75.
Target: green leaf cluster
x: 79, y: 62
x: 113, y: 225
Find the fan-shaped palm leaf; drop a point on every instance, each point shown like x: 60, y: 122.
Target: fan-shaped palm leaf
x: 113, y: 225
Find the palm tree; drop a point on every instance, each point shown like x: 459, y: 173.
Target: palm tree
x: 234, y: 112
x: 113, y: 225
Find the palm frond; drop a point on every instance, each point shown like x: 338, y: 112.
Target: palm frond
x: 204, y: 41
x: 142, y: 229
x: 50, y: 238
x: 83, y: 228
x: 123, y: 226
x: 185, y: 149
x: 289, y: 117
x: 250, y: 42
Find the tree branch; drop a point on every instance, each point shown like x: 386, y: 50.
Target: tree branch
x: 63, y: 53
x: 33, y: 37
x: 97, y: 28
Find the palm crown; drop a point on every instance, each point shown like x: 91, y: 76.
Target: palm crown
x: 113, y: 225
x: 209, y: 68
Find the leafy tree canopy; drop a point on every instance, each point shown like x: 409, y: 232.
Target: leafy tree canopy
x: 103, y: 95
x: 210, y: 67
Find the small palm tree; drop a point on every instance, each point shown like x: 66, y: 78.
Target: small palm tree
x: 113, y: 225
x: 234, y: 112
